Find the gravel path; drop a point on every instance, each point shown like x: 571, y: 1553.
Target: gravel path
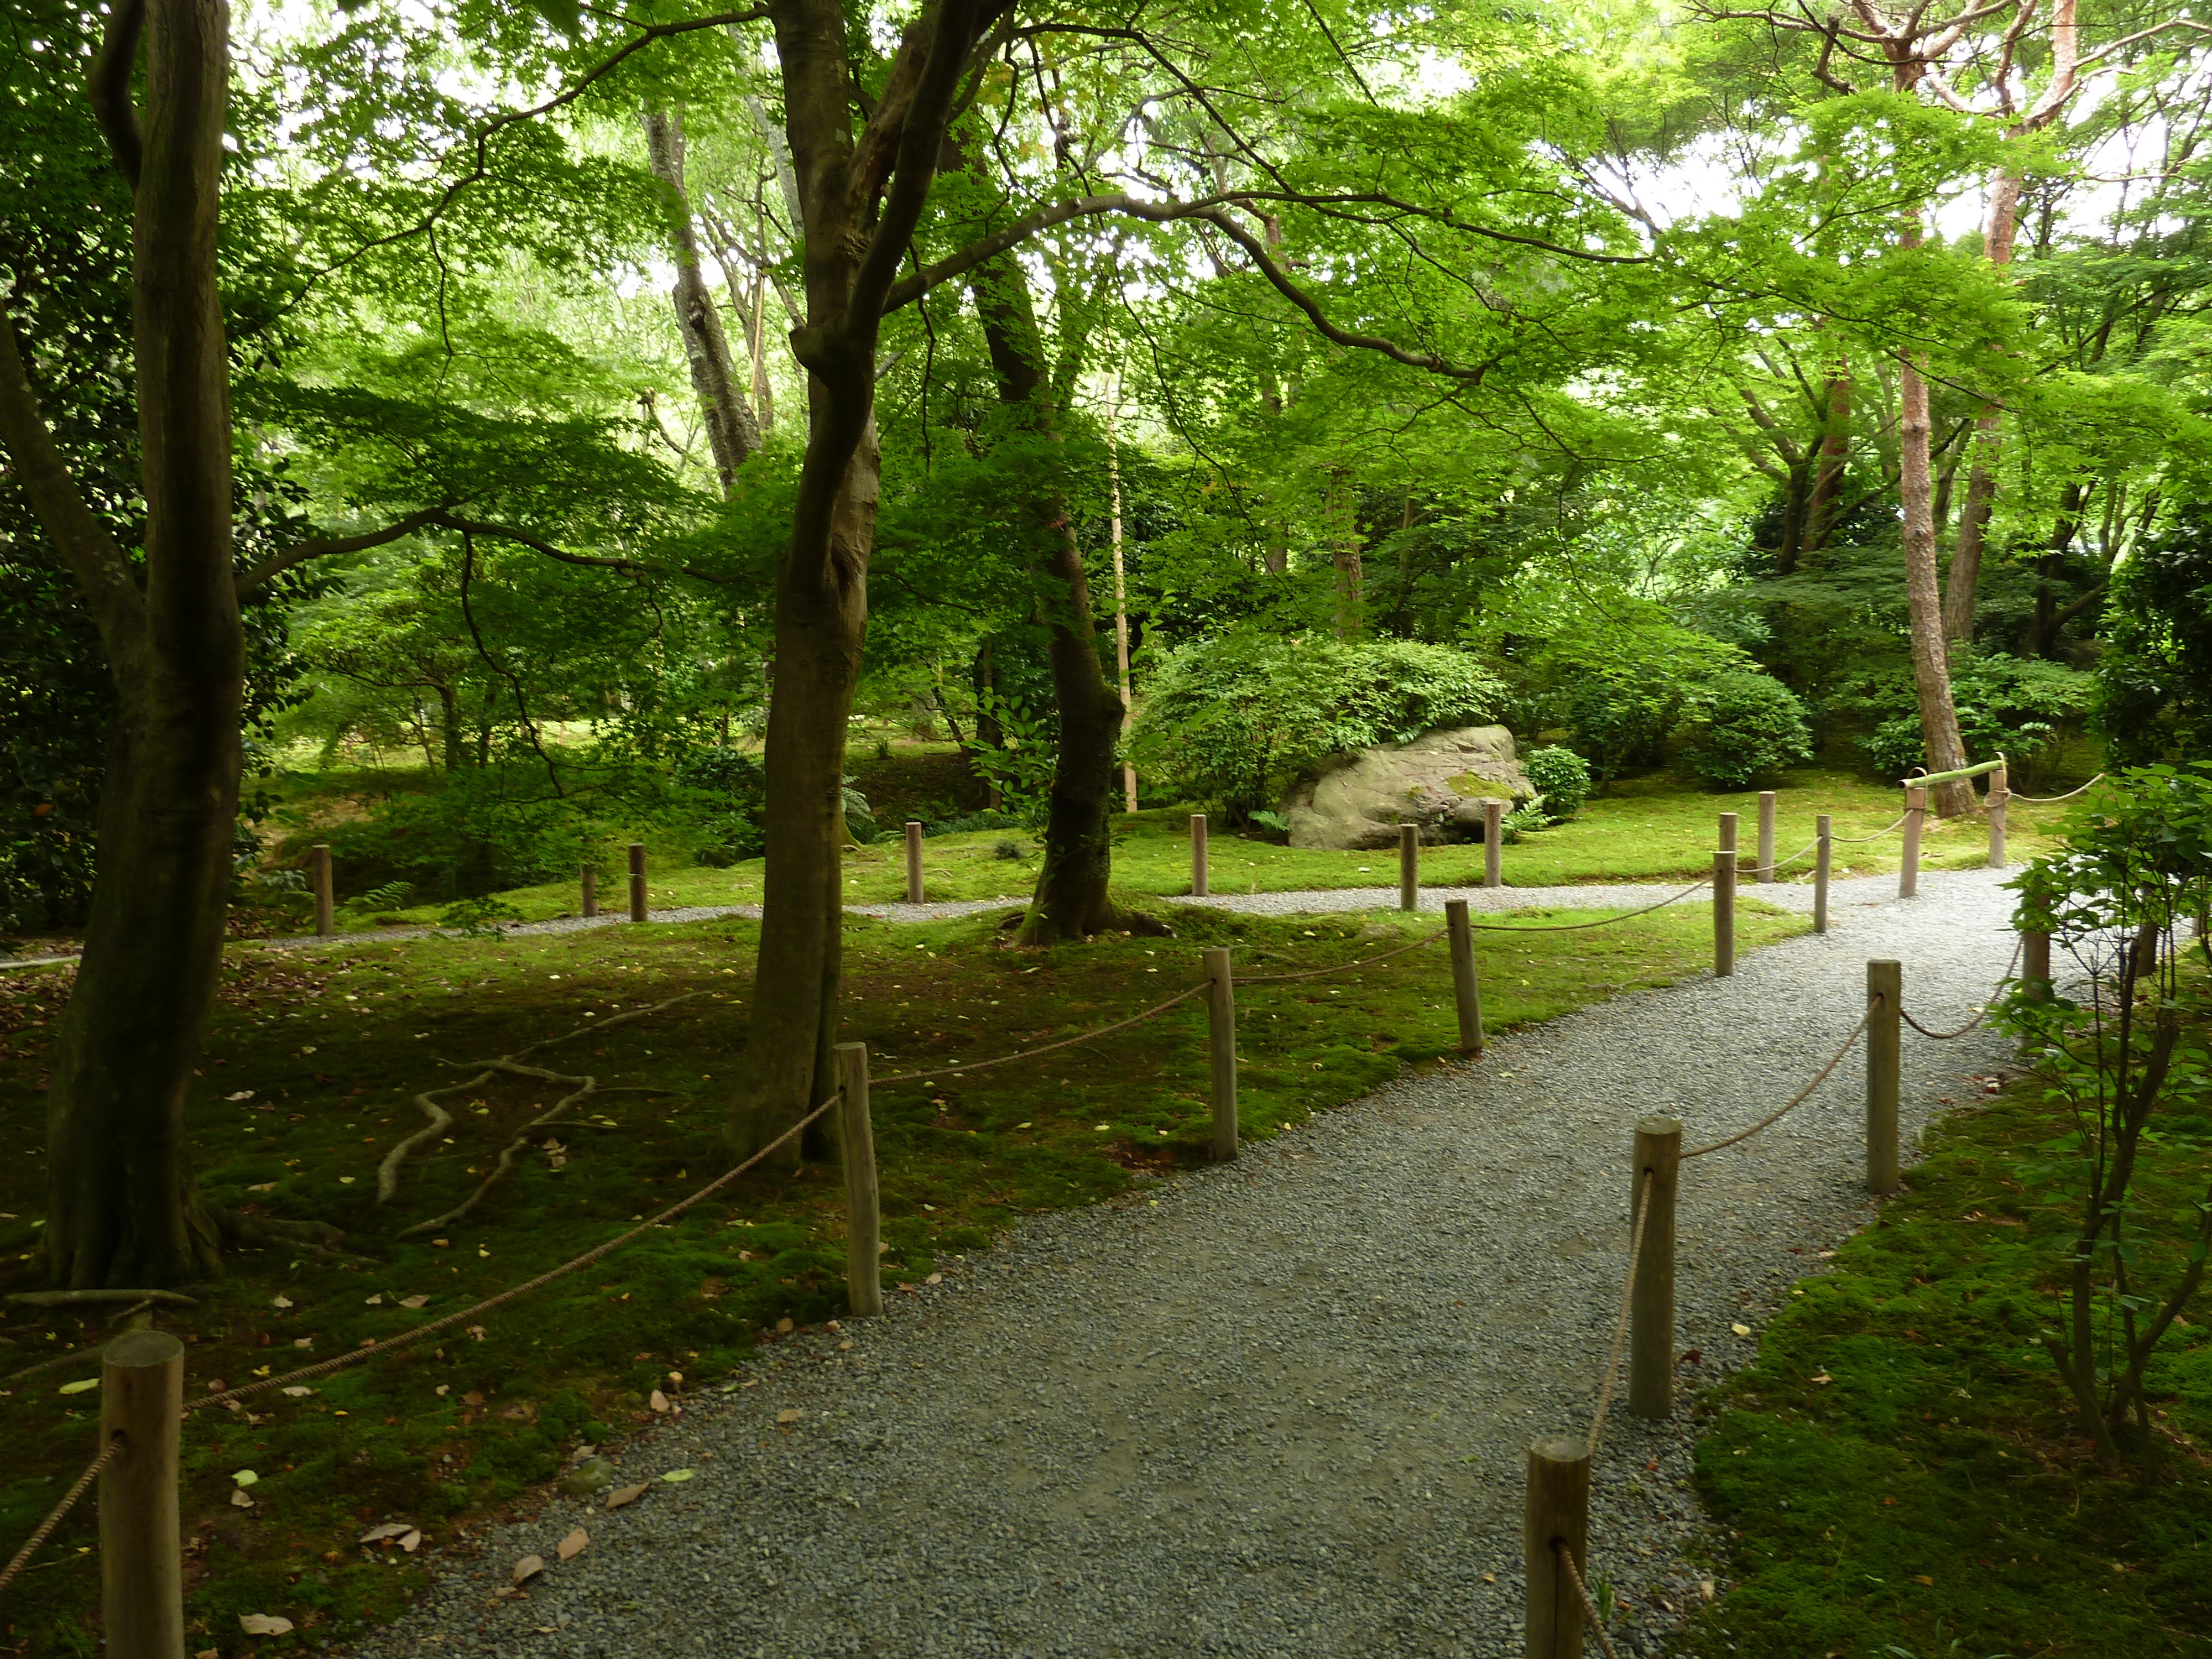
x: 1279, y: 1407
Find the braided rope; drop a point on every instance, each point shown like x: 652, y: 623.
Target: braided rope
x: 1983, y: 1014
x: 2046, y: 800
x: 1777, y: 1115
x: 1854, y: 841
x: 1589, y: 1608
x: 1627, y: 1292
x: 54, y: 1516
x: 1602, y: 921
x: 524, y: 1289
x: 931, y: 1076
x: 1364, y: 962
x: 1756, y: 870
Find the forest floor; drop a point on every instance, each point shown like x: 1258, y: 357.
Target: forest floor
x: 1641, y: 829
x: 310, y: 1073
x: 1280, y: 1408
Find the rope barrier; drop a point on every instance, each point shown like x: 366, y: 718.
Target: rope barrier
x: 1589, y: 1608
x: 1341, y: 967
x: 1755, y: 871
x: 1980, y: 1015
x: 54, y: 1516
x: 2046, y: 800
x: 1776, y: 1116
x: 1620, y: 1330
x: 1602, y: 921
x: 1026, y: 1054
x: 524, y: 1289
x: 1854, y: 841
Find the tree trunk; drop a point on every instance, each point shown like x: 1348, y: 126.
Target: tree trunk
x: 1833, y: 459
x: 120, y: 1209
x: 1071, y: 898
x: 1982, y: 480
x: 1931, y: 679
x: 732, y: 433
x: 1795, y: 507
x: 1342, y: 511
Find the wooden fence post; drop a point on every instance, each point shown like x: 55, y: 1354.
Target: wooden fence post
x: 912, y: 861
x: 2000, y: 796
x: 1466, y: 991
x: 1221, y: 1049
x: 864, y: 1224
x: 1885, y: 1061
x: 1723, y: 914
x: 1766, y: 834
x: 1727, y: 843
x: 591, y: 890
x: 1651, y: 1306
x: 1557, y: 1516
x: 637, y: 893
x: 2035, y: 964
x: 1198, y: 870
x: 319, y: 874
x: 1823, y: 863
x: 1494, y: 839
x: 1409, y: 867
x: 1916, y: 813
x: 141, y: 1593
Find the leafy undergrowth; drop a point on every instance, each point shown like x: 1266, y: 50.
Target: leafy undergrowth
x: 1646, y: 829
x: 1901, y: 1470
x: 309, y: 1080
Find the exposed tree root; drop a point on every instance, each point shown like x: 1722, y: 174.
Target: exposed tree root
x: 551, y: 1115
x: 90, y: 1298
x: 269, y: 1232
x: 387, y: 1173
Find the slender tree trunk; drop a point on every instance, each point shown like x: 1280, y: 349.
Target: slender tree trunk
x: 1795, y: 505
x: 1344, y: 555
x: 1982, y: 478
x: 732, y: 433
x: 1834, y: 457
x: 1931, y: 679
x: 1120, y: 588
x: 120, y: 1209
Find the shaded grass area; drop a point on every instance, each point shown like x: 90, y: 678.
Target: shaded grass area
x: 309, y: 1080
x: 1899, y: 1470
x: 1646, y: 829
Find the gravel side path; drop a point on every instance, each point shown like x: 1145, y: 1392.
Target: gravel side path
x: 1279, y: 1407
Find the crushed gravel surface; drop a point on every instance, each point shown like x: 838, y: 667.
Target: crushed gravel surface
x: 1280, y: 1408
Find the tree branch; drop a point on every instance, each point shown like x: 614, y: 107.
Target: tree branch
x: 108, y: 87
x: 443, y: 518
x: 317, y: 547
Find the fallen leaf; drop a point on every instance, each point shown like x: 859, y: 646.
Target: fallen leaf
x: 299, y: 1389
x: 1922, y: 1578
x: 573, y: 1545
x: 238, y: 1500
x: 378, y: 1535
x: 263, y: 1187
x: 414, y: 1301
x: 473, y: 1398
x: 265, y: 1623
x: 243, y: 1094
x: 679, y: 1474
x: 783, y: 1327
x: 529, y: 1567
x: 789, y: 1415
x: 626, y: 1495
x: 89, y: 1383
x: 658, y: 1401
x: 372, y: 1301
x: 246, y: 1477
x: 1740, y: 1330
x: 1822, y: 1377
x: 280, y: 1302
x: 444, y: 1388
x: 410, y: 1540
x: 477, y: 1332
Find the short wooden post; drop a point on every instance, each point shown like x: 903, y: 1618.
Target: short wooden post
x: 912, y: 861
x: 1493, y: 844
x: 2000, y: 796
x: 1885, y: 1063
x: 1723, y: 914
x: 1727, y: 843
x: 319, y: 871
x: 637, y: 893
x: 1651, y: 1302
x: 2035, y: 965
x: 1409, y: 867
x: 864, y: 1221
x: 1916, y: 813
x: 1766, y: 834
x: 591, y: 878
x: 1824, y: 856
x: 1556, y: 1517
x: 1221, y: 1049
x: 1198, y: 870
x: 1466, y: 991
x: 141, y: 1593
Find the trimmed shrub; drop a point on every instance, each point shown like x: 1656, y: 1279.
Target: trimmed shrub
x: 1561, y: 777
x: 1743, y: 725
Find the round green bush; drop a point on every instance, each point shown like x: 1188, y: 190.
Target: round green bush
x: 1743, y: 727
x: 1561, y: 777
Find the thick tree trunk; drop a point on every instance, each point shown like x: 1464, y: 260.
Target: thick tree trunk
x: 120, y: 1209
x: 1982, y: 480
x: 1829, y: 467
x: 1931, y: 679
x: 1071, y: 898
x: 732, y: 433
x: 1795, y: 509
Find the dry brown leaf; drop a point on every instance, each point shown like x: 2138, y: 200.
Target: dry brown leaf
x: 624, y: 1495
x: 784, y: 1327
x: 573, y: 1545
x: 280, y: 1302
x: 477, y: 1332
x: 239, y: 1500
x: 389, y: 1530
x: 473, y: 1398
x: 376, y: 1301
x: 658, y: 1401
x: 413, y: 1301
x: 265, y: 1623
x: 529, y: 1567
x: 789, y: 1415
x: 410, y: 1540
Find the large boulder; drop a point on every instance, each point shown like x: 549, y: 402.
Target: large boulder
x: 1439, y: 780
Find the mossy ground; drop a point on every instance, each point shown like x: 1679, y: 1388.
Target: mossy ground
x: 1899, y: 1470
x: 327, y: 1047
x: 1649, y: 828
